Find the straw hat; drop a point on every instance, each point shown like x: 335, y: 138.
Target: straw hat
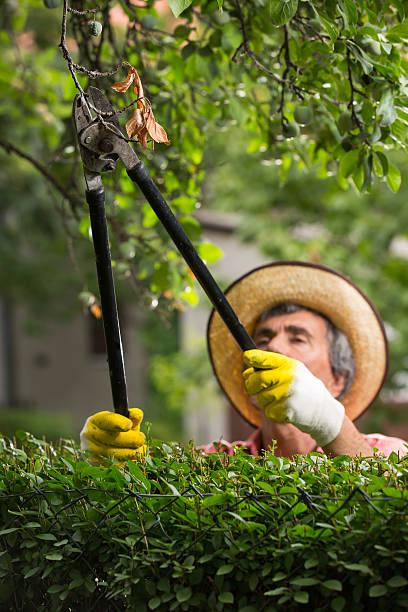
x: 312, y: 286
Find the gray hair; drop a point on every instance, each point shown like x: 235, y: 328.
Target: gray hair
x: 340, y: 353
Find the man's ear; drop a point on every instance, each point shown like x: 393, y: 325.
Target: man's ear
x: 336, y: 385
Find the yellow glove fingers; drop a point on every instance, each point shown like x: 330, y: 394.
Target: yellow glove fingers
x: 257, y: 380
x: 267, y: 360
x: 121, y: 439
x: 111, y: 421
x: 119, y: 453
x: 136, y: 416
x: 273, y: 395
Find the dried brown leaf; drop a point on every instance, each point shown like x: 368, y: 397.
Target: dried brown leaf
x: 138, y: 88
x: 142, y: 138
x: 122, y: 86
x: 156, y: 131
x: 142, y: 121
x: 135, y: 123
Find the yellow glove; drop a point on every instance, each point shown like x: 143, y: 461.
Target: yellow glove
x: 288, y: 392
x: 108, y: 434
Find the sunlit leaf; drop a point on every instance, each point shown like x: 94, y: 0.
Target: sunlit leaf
x: 282, y: 11
x: 178, y: 6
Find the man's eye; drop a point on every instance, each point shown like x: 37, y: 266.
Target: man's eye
x: 298, y: 340
x: 262, y: 342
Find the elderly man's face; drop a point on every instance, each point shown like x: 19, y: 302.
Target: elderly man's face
x: 301, y: 335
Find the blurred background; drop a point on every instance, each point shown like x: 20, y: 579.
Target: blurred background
x: 241, y: 203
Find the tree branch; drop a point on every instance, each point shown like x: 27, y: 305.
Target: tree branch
x: 69, y: 197
x: 247, y: 49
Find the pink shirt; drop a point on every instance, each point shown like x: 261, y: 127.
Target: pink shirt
x: 385, y: 444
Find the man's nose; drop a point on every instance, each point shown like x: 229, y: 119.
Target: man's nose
x: 276, y: 345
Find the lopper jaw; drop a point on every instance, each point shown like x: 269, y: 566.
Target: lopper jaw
x: 101, y: 141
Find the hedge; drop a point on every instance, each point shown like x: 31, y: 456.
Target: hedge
x: 181, y: 531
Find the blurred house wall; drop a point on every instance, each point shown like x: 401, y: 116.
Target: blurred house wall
x: 63, y: 369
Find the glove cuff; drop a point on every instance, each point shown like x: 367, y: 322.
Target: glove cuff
x: 330, y: 424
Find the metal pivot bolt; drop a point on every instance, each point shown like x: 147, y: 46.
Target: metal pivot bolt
x: 105, y: 145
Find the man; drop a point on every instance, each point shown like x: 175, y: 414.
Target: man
x: 319, y: 340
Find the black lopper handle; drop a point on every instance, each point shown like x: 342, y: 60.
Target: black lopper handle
x: 141, y: 177
x: 96, y: 202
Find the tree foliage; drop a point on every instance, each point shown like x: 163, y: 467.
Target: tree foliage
x: 313, y: 83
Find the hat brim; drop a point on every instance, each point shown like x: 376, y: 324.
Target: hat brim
x: 312, y: 286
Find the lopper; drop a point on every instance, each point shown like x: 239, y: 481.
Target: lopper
x: 101, y: 144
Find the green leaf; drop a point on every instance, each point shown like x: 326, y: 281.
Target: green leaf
x: 309, y: 563
x: 380, y: 164
x: 330, y: 28
x: 164, y: 585
x: 333, y: 585
x: 209, y: 252
x: 225, y: 569
x: 301, y: 597
x: 279, y: 576
x: 56, y: 588
x: 213, y: 500
x: 54, y: 556
x: 150, y: 218
x: 85, y: 226
x: 226, y: 597
x: 398, y: 31
x: 265, y: 486
x: 386, y: 109
x: 154, y: 603
x: 178, y: 6
x: 358, y: 177
x: 47, y: 536
x: 338, y: 604
x: 358, y: 567
x: 9, y: 530
x: 350, y: 11
x: 377, y: 590
x: 173, y: 489
x: 277, y: 591
x: 31, y: 572
x: 282, y: 11
x: 75, y: 583
x: 368, y: 171
x: 191, y: 226
x: 397, y: 581
x: 184, y: 594
x: 393, y: 178
x: 348, y: 163
x: 190, y: 296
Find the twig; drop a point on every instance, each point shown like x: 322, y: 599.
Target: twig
x: 352, y: 91
x: 11, y: 148
x: 85, y: 12
x: 92, y: 74
x: 248, y: 51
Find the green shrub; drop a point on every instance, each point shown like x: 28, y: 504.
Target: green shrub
x: 179, y: 531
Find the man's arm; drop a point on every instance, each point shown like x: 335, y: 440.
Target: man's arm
x: 349, y: 441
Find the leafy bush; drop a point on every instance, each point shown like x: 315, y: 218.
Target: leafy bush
x: 181, y: 531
